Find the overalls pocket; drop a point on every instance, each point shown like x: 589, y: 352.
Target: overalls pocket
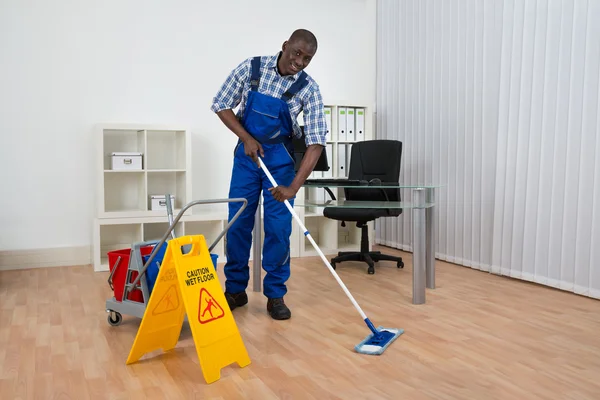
x: 263, y: 117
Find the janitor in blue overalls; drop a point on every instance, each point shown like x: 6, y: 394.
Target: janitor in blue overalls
x: 270, y: 91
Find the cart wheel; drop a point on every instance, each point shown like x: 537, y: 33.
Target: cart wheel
x: 114, y: 321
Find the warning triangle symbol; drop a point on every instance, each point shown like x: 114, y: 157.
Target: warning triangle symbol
x: 169, y: 302
x: 208, y: 308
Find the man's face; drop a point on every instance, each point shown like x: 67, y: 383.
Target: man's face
x: 295, y: 56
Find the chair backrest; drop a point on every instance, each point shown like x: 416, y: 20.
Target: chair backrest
x: 373, y: 160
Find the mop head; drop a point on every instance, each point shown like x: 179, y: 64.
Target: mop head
x: 376, y: 344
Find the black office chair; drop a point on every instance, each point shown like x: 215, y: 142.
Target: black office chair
x: 376, y: 162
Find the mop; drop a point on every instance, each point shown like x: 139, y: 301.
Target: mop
x: 380, y: 338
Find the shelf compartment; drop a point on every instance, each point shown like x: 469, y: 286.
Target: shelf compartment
x: 156, y: 230
x: 166, y: 150
x: 123, y: 140
x: 210, y: 230
x: 324, y: 232
x: 116, y: 237
x: 349, y: 237
x: 163, y: 182
x: 124, y: 191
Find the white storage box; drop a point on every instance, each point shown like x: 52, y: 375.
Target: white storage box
x: 158, y: 202
x: 120, y: 161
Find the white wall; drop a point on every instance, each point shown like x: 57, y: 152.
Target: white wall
x: 69, y: 64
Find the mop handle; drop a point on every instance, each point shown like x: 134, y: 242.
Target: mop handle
x: 308, y: 235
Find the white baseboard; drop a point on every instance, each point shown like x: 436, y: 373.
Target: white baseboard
x: 44, y: 258
x: 399, y: 246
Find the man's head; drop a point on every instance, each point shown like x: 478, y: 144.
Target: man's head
x: 297, y: 52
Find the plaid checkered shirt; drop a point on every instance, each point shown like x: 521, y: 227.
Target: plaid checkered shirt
x: 235, y: 90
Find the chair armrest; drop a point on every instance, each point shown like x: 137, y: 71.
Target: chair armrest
x: 330, y: 193
x: 377, y: 181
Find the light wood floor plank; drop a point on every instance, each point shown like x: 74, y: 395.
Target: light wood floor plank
x: 478, y: 336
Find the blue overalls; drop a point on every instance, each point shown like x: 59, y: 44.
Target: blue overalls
x: 268, y: 120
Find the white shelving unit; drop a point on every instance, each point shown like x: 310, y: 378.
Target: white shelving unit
x: 123, y: 211
x: 329, y: 235
x: 120, y: 233
x: 123, y: 206
x: 166, y: 168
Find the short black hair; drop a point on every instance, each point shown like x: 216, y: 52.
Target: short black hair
x: 303, y: 34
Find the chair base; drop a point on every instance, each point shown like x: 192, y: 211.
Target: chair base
x: 370, y: 257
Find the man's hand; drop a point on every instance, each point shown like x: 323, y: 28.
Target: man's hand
x: 252, y: 148
x: 313, y: 152
x: 282, y: 193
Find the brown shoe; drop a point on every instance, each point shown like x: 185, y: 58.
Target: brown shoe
x: 277, y: 309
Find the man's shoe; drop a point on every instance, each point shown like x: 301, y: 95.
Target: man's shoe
x: 277, y: 309
x: 235, y: 300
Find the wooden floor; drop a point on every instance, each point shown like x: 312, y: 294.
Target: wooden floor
x: 478, y: 337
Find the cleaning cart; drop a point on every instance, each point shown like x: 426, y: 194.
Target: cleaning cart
x: 132, y: 287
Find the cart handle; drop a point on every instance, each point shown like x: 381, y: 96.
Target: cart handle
x: 110, y: 277
x: 177, y: 218
x: 169, y: 212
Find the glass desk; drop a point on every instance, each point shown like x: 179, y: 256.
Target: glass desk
x: 422, y: 206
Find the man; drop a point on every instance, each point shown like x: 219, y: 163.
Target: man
x: 271, y: 91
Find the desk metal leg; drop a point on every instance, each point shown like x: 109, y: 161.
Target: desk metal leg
x: 419, y: 239
x: 430, y: 216
x: 257, y: 254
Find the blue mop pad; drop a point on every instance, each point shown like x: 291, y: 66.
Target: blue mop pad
x: 378, y: 341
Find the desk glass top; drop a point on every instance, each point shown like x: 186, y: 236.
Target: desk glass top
x: 342, y: 203
x: 337, y: 183
x: 356, y: 184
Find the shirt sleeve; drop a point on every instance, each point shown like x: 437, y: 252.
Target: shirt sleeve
x: 230, y: 93
x: 315, y: 125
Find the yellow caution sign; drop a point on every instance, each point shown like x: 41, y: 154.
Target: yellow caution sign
x: 188, y: 284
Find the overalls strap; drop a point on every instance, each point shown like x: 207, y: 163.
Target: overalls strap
x: 266, y: 118
x: 255, y: 73
x: 296, y: 87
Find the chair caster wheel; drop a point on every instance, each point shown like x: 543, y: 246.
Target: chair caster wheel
x: 333, y: 265
x: 400, y: 264
x: 371, y: 270
x: 116, y: 320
